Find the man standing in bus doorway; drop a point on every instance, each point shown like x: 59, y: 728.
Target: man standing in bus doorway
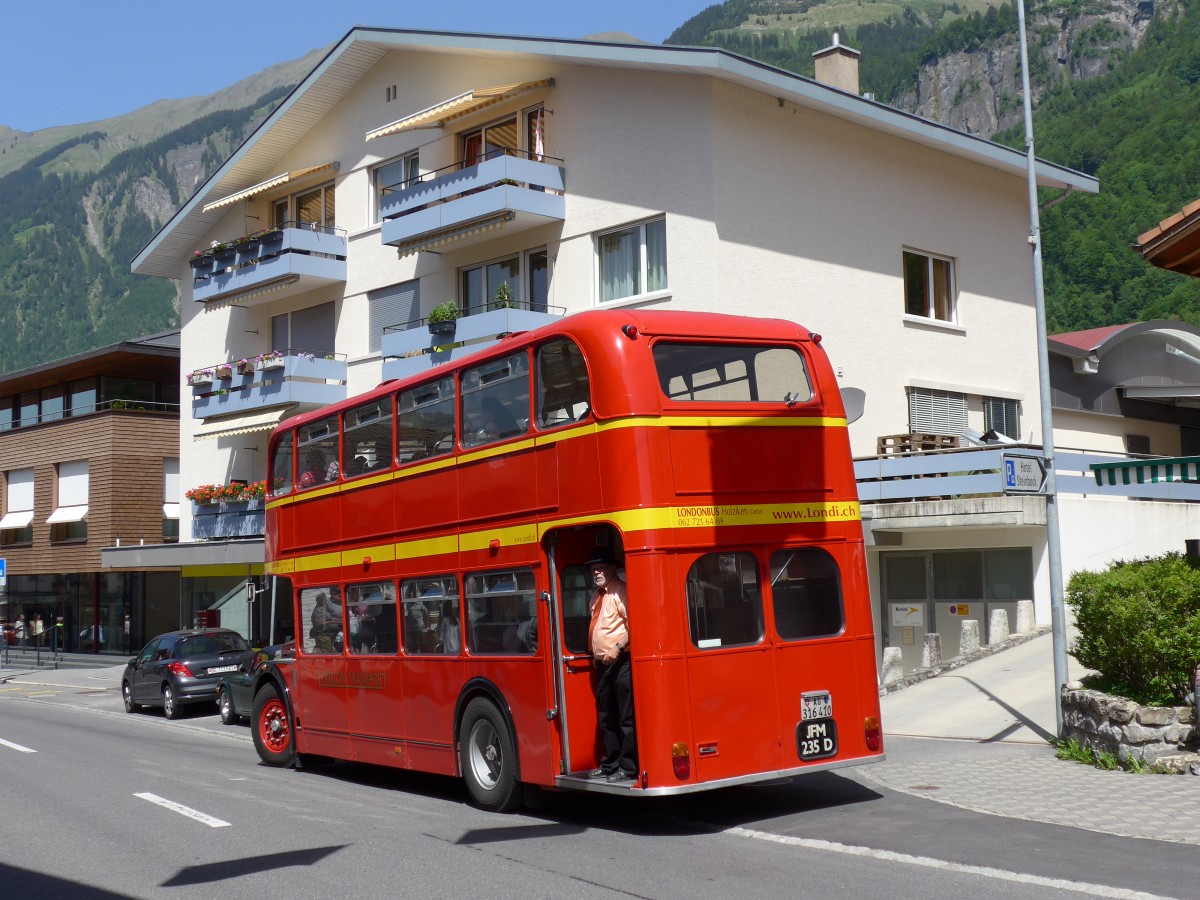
x: 608, y: 639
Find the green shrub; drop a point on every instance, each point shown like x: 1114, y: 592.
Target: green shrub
x: 1139, y: 627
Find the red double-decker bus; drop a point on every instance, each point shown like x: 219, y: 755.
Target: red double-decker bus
x: 431, y: 537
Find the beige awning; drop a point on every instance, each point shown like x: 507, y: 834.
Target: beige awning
x: 439, y: 114
x: 242, y: 424
x: 244, y: 298
x: 66, y: 514
x: 276, y: 181
x: 440, y: 239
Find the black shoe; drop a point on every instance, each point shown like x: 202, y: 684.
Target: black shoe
x: 596, y: 773
x: 620, y: 778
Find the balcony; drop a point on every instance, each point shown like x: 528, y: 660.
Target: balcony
x: 415, y: 347
x: 464, y: 205
x: 228, y: 521
x: 296, y: 258
x: 292, y: 378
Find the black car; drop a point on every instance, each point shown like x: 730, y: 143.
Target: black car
x: 234, y: 697
x: 182, y: 667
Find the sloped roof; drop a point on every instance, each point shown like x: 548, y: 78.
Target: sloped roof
x: 1098, y: 341
x: 1174, y: 243
x: 341, y: 69
x: 1087, y: 341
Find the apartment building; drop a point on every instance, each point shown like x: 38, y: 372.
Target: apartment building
x: 517, y: 178
x: 89, y: 457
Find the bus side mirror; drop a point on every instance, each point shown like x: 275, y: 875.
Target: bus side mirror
x: 855, y: 401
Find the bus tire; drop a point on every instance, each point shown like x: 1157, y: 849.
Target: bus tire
x: 271, y: 725
x: 487, y: 757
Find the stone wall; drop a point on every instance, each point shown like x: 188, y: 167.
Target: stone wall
x: 1165, y: 736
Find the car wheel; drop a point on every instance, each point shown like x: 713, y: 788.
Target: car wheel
x: 488, y: 758
x: 171, y: 707
x: 271, y: 725
x: 225, y: 702
x: 127, y: 696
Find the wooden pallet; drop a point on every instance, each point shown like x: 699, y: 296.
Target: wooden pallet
x: 915, y: 443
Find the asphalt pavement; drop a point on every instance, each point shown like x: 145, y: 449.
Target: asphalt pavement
x: 977, y: 738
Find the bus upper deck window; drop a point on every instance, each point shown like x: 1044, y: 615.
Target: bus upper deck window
x: 318, y: 453
x: 731, y: 373
x: 425, y: 421
x: 495, y: 400
x: 367, y: 437
x: 281, y: 464
x: 563, y: 391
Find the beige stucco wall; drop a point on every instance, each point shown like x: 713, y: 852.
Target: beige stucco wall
x: 1089, y: 431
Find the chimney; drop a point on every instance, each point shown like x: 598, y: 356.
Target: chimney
x: 837, y: 66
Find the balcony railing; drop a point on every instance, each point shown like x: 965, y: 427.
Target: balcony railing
x: 979, y: 472
x: 296, y: 257
x: 464, y: 204
x: 289, y: 377
x: 227, y: 521
x: 413, y: 347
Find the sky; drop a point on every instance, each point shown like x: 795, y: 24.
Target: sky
x: 78, y: 61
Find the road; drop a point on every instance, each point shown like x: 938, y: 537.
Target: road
x: 100, y: 804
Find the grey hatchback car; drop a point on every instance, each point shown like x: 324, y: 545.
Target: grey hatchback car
x: 182, y: 667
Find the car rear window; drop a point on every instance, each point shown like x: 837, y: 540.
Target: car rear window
x: 211, y: 645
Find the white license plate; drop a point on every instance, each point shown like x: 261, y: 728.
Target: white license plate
x: 217, y: 670
x: 815, y: 705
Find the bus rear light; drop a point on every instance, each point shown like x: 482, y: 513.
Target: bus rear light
x: 494, y: 544
x: 366, y: 562
x: 681, y: 760
x: 180, y: 669
x: 816, y: 338
x: 873, y: 733
x: 630, y: 331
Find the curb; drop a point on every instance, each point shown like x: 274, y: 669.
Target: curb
x: 919, y: 675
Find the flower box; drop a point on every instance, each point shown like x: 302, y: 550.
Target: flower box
x: 247, y: 245
x: 271, y: 362
x: 446, y: 327
x: 245, y: 367
x: 225, y: 254
x: 204, y: 377
x: 225, y: 372
x: 201, y: 262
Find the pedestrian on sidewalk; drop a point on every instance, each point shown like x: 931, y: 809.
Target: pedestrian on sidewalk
x: 36, y: 629
x: 19, y: 630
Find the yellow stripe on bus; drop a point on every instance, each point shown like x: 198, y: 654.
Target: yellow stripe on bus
x: 567, y: 434
x: 660, y: 518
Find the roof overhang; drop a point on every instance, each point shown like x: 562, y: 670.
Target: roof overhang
x: 242, y: 424
x: 363, y: 47
x: 1174, y: 243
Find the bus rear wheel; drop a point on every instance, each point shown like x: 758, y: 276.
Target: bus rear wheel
x: 271, y: 724
x: 487, y: 756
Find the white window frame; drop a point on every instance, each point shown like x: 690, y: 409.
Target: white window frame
x: 288, y: 203
x: 411, y: 163
x: 521, y: 285
x: 930, y: 309
x: 641, y: 288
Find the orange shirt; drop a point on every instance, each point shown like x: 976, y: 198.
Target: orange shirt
x: 608, y: 633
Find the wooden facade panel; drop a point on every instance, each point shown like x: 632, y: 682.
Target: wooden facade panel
x: 125, y: 452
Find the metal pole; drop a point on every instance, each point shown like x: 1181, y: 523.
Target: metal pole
x: 1058, y: 620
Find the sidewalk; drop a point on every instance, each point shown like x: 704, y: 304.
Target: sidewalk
x: 1001, y: 712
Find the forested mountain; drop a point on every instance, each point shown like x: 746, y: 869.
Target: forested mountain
x: 1116, y: 82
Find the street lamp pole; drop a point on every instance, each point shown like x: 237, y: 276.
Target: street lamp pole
x: 1058, y: 619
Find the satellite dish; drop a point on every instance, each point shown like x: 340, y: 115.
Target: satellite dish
x: 855, y: 401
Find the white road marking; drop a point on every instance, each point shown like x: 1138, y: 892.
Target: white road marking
x: 183, y: 810
x: 1082, y: 887
x: 16, y: 747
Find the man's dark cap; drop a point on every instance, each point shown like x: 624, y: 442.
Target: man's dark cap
x: 601, y: 555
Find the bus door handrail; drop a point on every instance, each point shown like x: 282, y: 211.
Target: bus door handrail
x: 560, y: 691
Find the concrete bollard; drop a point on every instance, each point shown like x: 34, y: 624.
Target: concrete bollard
x: 931, y: 655
x: 968, y: 641
x: 1025, y: 620
x: 998, y: 630
x: 893, y: 665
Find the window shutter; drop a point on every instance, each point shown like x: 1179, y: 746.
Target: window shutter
x: 392, y: 305
x: 313, y: 329
x: 20, y: 490
x: 936, y: 412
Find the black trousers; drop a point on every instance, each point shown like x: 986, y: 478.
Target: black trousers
x: 614, y: 714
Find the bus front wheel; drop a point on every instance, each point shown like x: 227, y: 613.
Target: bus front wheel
x: 271, y: 724
x: 487, y: 757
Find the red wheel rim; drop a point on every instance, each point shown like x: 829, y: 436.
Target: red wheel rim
x: 273, y: 726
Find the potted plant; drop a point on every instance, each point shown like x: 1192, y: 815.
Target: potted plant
x: 442, y: 318
x: 503, y: 297
x: 245, y: 367
x: 221, y: 251
x: 201, y: 261
x: 225, y: 371
x: 271, y: 235
x: 272, y: 360
x: 200, y: 376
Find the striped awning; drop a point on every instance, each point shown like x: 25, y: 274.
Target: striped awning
x: 464, y: 104
x: 439, y: 239
x: 243, y: 298
x: 242, y: 424
x: 273, y: 182
x: 1148, y: 471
